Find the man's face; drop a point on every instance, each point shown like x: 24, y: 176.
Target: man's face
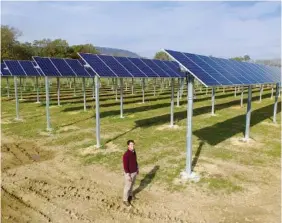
x: 131, y: 146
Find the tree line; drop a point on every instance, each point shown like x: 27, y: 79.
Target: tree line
x: 13, y: 49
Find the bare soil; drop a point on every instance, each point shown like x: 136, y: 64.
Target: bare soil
x: 46, y: 184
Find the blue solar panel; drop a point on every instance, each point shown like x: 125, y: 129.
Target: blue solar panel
x: 264, y: 76
x: 221, y: 78
x: 208, y: 70
x: 231, y: 69
x: 4, y: 70
x: 160, y: 72
x: 249, y: 75
x: 76, y: 66
x: 229, y: 75
x: 14, y: 67
x: 115, y: 66
x: 63, y: 67
x: 101, y: 69
x: 196, y: 71
x: 135, y: 71
x: 172, y: 72
x: 274, y: 74
x: 29, y: 68
x: 47, y: 66
x: 143, y: 67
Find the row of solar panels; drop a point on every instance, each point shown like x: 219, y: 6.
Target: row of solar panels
x: 213, y: 71
x: 210, y: 71
x: 102, y: 65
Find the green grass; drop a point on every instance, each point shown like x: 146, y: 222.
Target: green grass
x: 155, y: 145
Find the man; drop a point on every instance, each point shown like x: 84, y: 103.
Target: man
x: 130, y: 167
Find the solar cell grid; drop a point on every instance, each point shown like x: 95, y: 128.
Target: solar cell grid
x: 14, y: 67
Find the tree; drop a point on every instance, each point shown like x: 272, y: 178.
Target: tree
x: 244, y: 58
x: 86, y: 48
x: 9, y: 37
x: 161, y: 56
x: 247, y: 58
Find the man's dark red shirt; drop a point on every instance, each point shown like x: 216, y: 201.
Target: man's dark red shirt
x: 130, y: 164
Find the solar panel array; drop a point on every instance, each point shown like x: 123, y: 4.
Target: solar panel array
x: 213, y: 71
x: 110, y: 66
x: 4, y: 71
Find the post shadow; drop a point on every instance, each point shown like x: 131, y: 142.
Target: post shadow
x: 197, y: 155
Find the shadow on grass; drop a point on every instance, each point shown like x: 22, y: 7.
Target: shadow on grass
x: 221, y: 131
x: 146, y: 180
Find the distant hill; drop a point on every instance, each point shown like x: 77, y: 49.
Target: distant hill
x: 116, y: 52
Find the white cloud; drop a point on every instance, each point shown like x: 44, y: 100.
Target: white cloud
x: 206, y: 28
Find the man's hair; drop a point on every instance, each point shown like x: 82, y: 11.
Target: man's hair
x: 129, y: 141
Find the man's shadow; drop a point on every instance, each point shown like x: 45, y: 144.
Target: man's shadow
x: 146, y: 180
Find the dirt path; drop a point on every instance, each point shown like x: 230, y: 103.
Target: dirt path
x: 45, y: 185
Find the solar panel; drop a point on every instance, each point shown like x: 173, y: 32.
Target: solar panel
x: 263, y: 74
x: 195, y: 70
x: 134, y: 70
x: 228, y: 74
x: 15, y: 68
x: 63, y: 67
x: 4, y: 70
x: 100, y: 68
x: 274, y: 73
x: 76, y: 66
x: 213, y: 71
x: 160, y: 72
x: 115, y: 66
x: 223, y: 79
x: 143, y: 67
x: 47, y: 66
x: 249, y: 75
x: 171, y: 71
x: 29, y: 68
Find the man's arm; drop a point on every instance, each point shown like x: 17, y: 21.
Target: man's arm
x: 125, y: 163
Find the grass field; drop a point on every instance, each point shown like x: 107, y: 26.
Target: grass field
x: 228, y: 167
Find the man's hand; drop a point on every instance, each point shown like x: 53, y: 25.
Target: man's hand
x: 130, y: 179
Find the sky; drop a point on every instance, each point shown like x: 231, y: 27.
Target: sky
x: 220, y: 29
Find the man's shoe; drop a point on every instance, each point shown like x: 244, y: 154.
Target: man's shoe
x: 132, y: 198
x: 126, y: 203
